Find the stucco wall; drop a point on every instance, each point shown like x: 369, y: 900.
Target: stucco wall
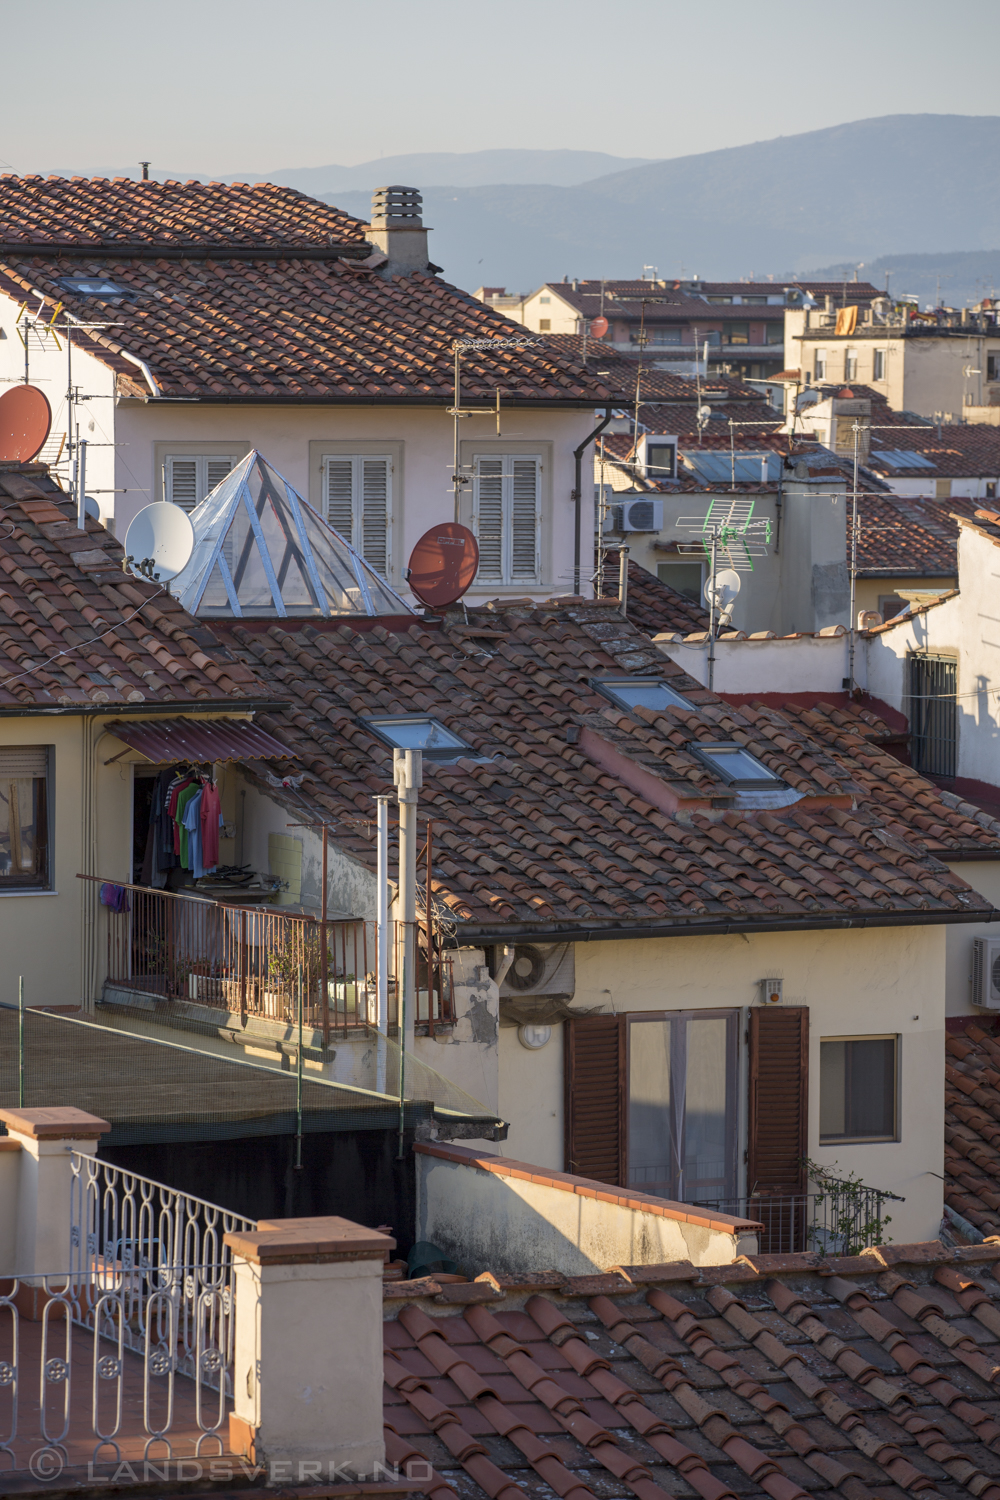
x: 811, y: 664
x: 509, y: 1225
x: 984, y: 876
x: 877, y: 981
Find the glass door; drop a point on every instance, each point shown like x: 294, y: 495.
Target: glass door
x: 682, y: 1100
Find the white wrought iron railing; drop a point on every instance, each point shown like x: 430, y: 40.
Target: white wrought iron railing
x: 128, y: 1354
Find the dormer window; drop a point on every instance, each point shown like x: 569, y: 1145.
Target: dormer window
x: 419, y: 732
x: 640, y: 692
x: 736, y: 766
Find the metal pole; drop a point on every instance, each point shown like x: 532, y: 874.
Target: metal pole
x: 623, y: 582
x: 382, y: 940
x: 408, y: 774
x: 324, y: 957
x: 429, y: 914
x: 854, y: 562
x: 298, y: 1087
x: 711, y: 616
x: 458, y: 402
x: 20, y: 1042
x: 81, y: 494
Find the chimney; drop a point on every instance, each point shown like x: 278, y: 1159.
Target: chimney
x: 397, y: 229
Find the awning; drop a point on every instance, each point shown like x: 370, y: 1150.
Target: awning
x: 199, y: 740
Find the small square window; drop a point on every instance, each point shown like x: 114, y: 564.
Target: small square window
x: 686, y: 578
x: 640, y: 692
x: 544, y: 325
x: 858, y: 1089
x: 735, y: 765
x: 24, y: 817
x: 417, y: 732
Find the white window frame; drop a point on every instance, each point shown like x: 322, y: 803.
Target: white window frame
x: 878, y: 364
x: 201, y: 462
x: 851, y: 364
x: 357, y: 462
x: 507, y: 462
x: 819, y: 364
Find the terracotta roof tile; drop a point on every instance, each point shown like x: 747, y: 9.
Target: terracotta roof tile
x: 972, y: 1127
x: 115, y: 213
x: 532, y: 828
x: 787, y: 1376
x: 908, y: 536
x: 75, y: 629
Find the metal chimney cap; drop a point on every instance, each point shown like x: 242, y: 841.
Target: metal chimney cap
x: 400, y: 205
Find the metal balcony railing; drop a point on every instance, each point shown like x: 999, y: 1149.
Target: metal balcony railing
x: 838, y: 1217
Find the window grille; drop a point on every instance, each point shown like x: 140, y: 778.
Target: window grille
x: 358, y: 503
x: 933, y: 714
x: 506, y: 518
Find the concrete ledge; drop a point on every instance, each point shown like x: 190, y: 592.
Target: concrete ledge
x: 66, y: 1123
x: 587, y: 1187
x: 282, y: 1242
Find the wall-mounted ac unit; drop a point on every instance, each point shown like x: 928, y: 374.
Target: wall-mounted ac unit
x: 540, y: 969
x: 641, y: 515
x: 986, y: 972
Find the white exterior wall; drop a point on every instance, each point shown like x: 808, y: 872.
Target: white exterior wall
x: 874, y: 981
x: 806, y: 664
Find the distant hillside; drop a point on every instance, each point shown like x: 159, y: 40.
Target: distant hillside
x: 957, y: 277
x: 419, y: 169
x: 849, y: 193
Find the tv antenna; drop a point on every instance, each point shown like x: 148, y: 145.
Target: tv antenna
x: 727, y: 531
x: 456, y: 411
x: 159, y: 542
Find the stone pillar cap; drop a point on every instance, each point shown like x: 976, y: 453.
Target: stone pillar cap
x: 278, y: 1242
x: 60, y: 1123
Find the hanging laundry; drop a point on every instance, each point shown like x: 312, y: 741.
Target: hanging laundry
x: 191, y: 833
x: 211, y: 822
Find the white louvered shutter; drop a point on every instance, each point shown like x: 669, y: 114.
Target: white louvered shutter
x: 182, y: 482
x: 373, y: 542
x: 488, y: 515
x: 339, y: 500
x: 216, y: 470
x: 524, y: 520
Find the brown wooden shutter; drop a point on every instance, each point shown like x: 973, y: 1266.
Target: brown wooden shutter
x: 779, y: 1099
x: 594, y: 1059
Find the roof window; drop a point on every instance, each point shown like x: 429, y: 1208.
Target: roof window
x: 419, y: 732
x: 902, y: 458
x: 92, y: 286
x: 640, y: 692
x: 735, y: 765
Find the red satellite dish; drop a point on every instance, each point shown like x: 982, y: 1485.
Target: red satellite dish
x: 25, y: 419
x: 599, y: 327
x: 443, y: 564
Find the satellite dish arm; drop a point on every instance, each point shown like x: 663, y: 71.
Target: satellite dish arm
x: 577, y: 495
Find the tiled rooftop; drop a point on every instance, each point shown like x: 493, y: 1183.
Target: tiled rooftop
x: 901, y: 536
x: 972, y: 1128
x: 533, y: 829
x: 257, y: 294
x: 75, y: 629
x: 117, y: 213
x: 871, y: 1376
x: 654, y: 606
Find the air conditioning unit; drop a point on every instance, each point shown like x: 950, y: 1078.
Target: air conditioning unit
x: 986, y: 972
x: 546, y: 969
x: 641, y: 515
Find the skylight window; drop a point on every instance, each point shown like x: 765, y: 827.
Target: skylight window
x: 736, y: 766
x: 640, y: 692
x: 92, y: 286
x: 419, y: 732
x: 902, y: 458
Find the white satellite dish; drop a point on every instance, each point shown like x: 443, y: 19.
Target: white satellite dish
x: 159, y: 541
x: 92, y: 508
x: 722, y: 590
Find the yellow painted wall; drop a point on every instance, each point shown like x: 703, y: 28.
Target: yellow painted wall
x: 855, y: 983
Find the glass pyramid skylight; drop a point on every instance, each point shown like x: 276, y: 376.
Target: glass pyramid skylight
x: 260, y: 549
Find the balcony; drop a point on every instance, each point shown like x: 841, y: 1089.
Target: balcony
x: 259, y: 963
x: 839, y: 1217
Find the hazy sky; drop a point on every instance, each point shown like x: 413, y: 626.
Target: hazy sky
x: 225, y: 86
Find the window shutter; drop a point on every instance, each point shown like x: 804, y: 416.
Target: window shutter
x: 524, y: 521
x: 488, y: 519
x: 375, y: 513
x: 594, y: 1062
x: 217, y: 469
x: 339, y: 499
x: 182, y: 482
x: 779, y: 1097
x: 23, y: 760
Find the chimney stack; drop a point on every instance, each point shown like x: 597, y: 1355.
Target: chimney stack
x: 397, y: 229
